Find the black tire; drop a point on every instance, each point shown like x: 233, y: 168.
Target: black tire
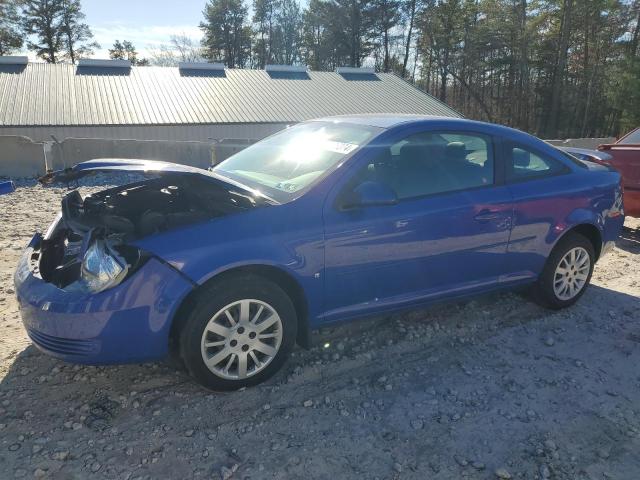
x: 211, y: 300
x: 543, y: 291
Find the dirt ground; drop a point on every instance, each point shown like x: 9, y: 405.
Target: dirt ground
x: 496, y: 387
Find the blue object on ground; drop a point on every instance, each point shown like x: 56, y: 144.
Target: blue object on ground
x: 7, y: 187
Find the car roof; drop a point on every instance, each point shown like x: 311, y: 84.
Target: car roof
x: 388, y: 121
x: 381, y: 120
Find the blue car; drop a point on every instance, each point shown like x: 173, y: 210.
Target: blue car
x: 326, y: 221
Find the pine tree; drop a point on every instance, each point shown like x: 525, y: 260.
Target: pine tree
x: 288, y: 32
x: 352, y: 26
x: 76, y: 35
x: 11, y: 34
x: 227, y: 37
x: 316, y: 44
x: 264, y: 18
x: 117, y: 52
x: 125, y: 50
x: 43, y: 21
x: 411, y: 10
x: 387, y: 14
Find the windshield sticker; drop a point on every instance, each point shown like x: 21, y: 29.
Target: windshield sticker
x: 339, y: 147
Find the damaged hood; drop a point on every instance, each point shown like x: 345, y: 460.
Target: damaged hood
x: 133, y: 165
x: 174, y: 195
x: 107, y: 165
x: 109, y: 221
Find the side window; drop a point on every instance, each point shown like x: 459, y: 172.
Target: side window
x: 523, y: 164
x: 435, y: 162
x: 631, y: 138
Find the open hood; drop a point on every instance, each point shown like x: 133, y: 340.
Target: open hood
x: 112, y: 219
x: 154, y: 167
x: 118, y: 165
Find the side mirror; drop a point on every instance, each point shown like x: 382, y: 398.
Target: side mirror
x: 370, y: 194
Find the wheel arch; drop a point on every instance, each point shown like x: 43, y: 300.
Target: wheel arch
x: 588, y: 230
x: 277, y: 275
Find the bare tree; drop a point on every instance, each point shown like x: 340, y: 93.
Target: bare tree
x: 181, y: 48
x: 186, y: 49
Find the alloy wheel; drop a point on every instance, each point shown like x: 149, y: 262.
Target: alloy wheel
x: 572, y: 273
x: 241, y: 339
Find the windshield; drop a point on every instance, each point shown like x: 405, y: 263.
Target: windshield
x: 633, y: 137
x: 288, y: 162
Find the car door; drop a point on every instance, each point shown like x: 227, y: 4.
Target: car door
x: 446, y: 234
x: 543, y: 198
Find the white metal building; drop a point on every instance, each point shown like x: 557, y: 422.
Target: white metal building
x: 112, y: 99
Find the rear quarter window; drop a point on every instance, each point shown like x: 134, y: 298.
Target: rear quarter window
x: 575, y: 160
x: 524, y: 164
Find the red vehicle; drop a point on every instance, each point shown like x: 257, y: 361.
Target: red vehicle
x: 625, y: 155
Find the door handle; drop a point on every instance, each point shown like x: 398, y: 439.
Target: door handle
x: 487, y: 215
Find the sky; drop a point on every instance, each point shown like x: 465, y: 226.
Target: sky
x: 147, y: 24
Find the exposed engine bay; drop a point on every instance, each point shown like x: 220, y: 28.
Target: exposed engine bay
x: 90, y: 239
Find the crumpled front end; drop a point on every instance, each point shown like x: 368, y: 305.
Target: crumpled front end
x: 88, y: 294
x: 129, y: 322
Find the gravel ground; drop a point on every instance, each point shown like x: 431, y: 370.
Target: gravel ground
x: 491, y: 388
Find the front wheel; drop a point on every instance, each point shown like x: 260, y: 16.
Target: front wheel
x: 567, y: 272
x: 239, y: 333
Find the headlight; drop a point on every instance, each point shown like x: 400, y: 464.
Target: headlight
x: 23, y: 271
x: 53, y: 226
x: 102, y: 267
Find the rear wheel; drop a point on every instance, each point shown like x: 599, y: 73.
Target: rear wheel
x: 239, y: 333
x: 567, y: 272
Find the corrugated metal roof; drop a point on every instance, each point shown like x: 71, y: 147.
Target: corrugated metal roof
x: 40, y: 94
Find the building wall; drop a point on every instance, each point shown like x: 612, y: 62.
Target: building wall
x: 20, y: 157
x: 74, y: 150
x: 197, y: 133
